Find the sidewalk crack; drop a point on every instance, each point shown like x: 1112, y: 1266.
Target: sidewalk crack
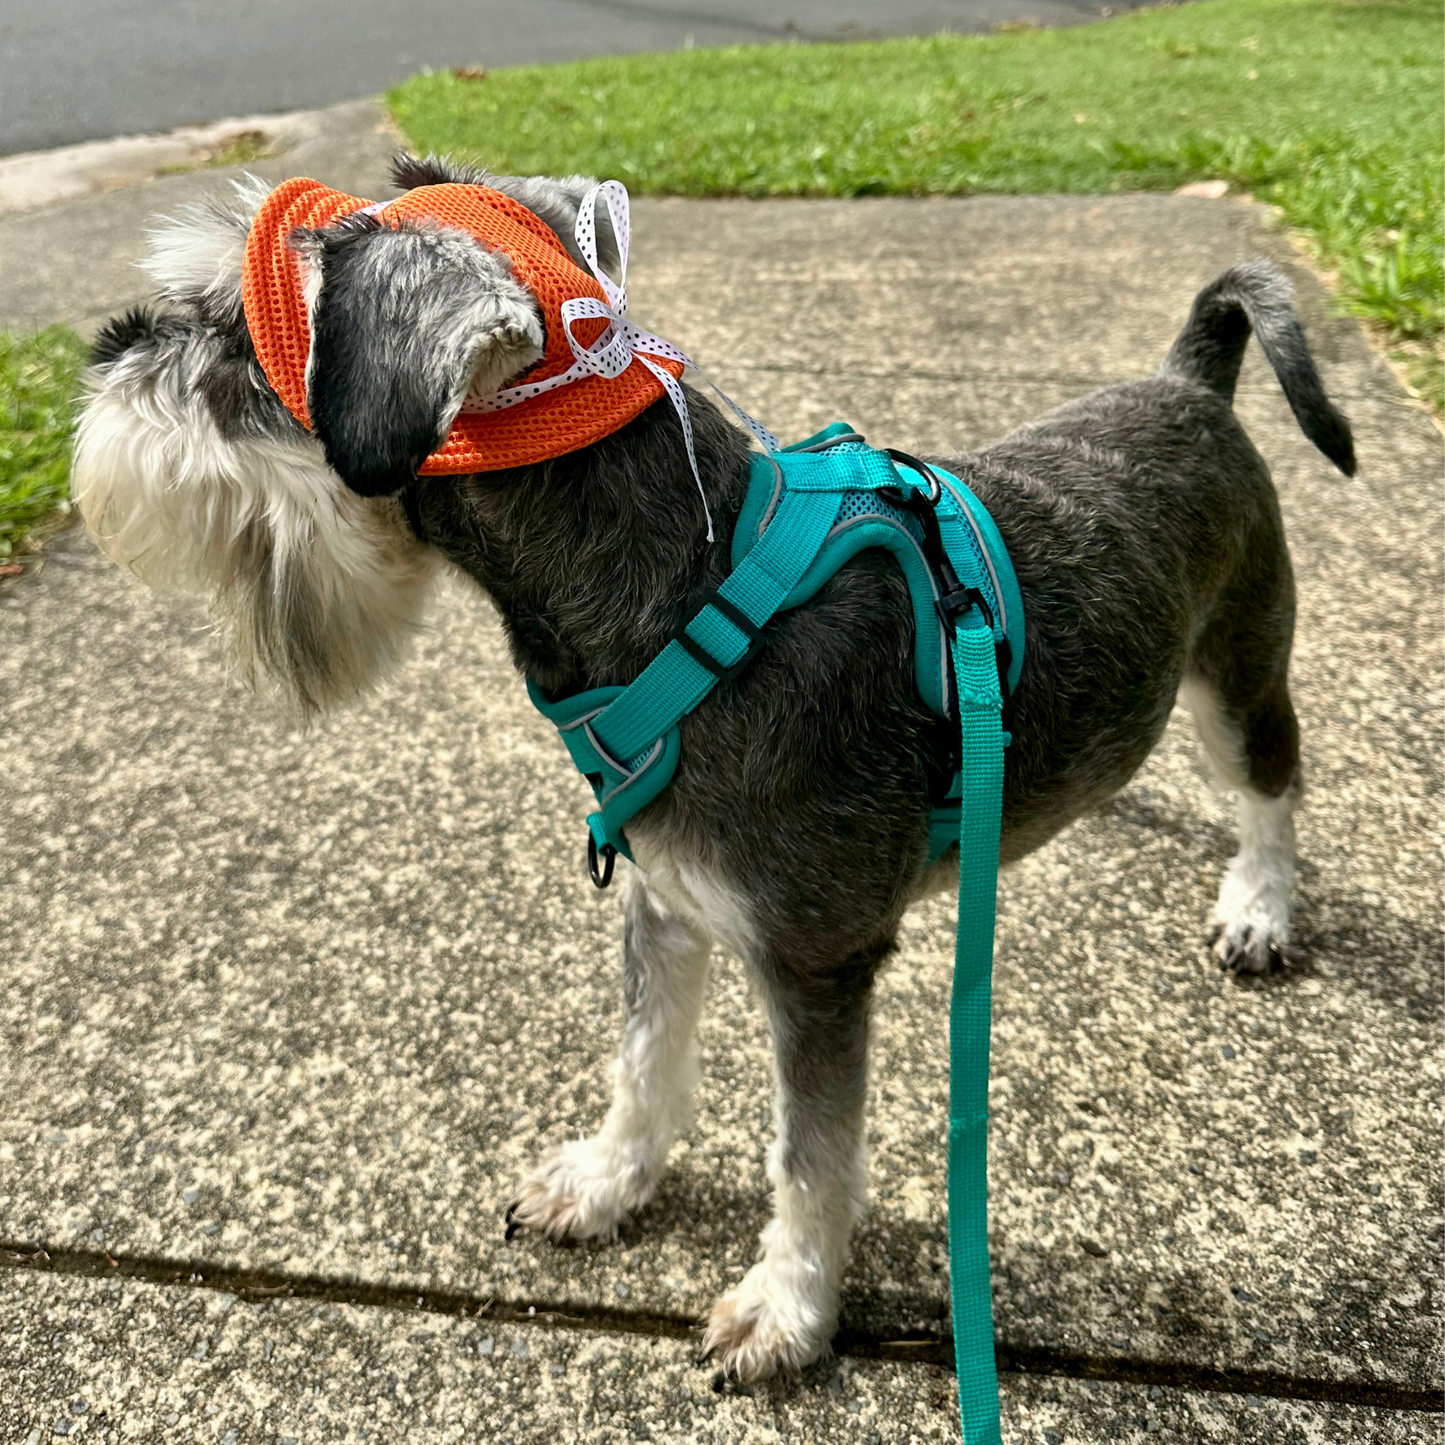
x: 260, y: 1285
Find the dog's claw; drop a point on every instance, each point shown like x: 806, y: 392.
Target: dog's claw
x: 1249, y: 951
x: 510, y: 1220
x: 1250, y: 956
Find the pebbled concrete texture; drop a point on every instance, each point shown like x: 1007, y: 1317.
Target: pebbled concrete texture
x: 125, y: 1361
x: 313, y: 1003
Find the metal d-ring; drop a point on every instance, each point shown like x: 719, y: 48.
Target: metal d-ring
x: 601, y: 875
x: 935, y: 487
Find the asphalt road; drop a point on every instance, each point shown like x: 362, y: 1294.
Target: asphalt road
x: 75, y: 70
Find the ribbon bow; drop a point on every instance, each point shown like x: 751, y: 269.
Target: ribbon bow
x: 623, y: 342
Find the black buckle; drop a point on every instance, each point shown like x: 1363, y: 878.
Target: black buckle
x: 955, y: 603
x: 954, y: 599
x: 600, y: 876
x: 702, y: 656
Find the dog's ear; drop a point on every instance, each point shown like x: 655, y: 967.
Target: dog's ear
x: 409, y: 171
x: 404, y: 325
x: 554, y: 199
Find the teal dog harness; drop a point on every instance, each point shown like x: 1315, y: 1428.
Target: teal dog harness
x: 809, y: 509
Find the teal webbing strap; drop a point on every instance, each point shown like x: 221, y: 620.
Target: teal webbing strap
x: 674, y: 682
x: 980, y: 716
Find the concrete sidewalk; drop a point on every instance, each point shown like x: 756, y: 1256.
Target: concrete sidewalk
x: 287, y: 1016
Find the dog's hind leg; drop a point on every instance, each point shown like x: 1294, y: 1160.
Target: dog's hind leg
x: 585, y: 1188
x: 1238, y: 691
x: 783, y: 1313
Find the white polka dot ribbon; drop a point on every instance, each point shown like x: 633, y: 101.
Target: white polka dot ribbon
x: 623, y: 341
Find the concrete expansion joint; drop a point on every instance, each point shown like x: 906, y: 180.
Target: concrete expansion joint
x: 257, y: 1286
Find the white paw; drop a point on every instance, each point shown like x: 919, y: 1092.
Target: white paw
x: 779, y: 1318
x: 582, y: 1190
x: 1251, y: 919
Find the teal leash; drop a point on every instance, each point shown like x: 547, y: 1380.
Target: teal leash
x: 980, y: 710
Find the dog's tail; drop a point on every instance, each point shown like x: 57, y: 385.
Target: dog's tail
x: 1209, y: 350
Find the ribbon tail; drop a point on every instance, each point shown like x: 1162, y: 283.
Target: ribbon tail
x: 678, y: 397
x: 764, y: 437
x: 645, y: 341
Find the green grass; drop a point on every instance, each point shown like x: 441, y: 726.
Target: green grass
x: 1330, y: 109
x: 39, y: 381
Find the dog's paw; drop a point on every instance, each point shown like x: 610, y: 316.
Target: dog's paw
x: 1251, y: 918
x: 766, y: 1326
x: 583, y: 1190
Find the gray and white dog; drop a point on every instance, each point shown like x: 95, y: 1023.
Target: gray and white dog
x: 1141, y: 521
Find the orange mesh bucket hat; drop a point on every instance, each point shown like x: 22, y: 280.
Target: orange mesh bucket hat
x: 539, y: 424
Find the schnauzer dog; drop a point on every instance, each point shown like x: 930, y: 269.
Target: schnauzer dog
x: 1142, y: 524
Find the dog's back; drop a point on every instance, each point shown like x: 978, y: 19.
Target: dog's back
x: 1145, y: 531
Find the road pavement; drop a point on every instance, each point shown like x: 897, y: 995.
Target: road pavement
x: 78, y: 70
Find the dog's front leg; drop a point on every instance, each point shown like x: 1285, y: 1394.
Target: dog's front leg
x: 584, y: 1189
x: 783, y: 1313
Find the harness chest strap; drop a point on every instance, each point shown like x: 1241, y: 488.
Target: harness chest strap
x: 625, y: 741
x: 677, y: 680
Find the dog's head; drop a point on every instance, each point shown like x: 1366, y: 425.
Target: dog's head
x: 190, y: 471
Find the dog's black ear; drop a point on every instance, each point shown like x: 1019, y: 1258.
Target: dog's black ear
x: 405, y: 324
x: 121, y: 333
x: 409, y: 171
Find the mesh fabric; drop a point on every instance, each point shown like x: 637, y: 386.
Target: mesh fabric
x: 548, y: 425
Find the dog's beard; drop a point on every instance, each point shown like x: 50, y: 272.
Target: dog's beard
x: 317, y: 590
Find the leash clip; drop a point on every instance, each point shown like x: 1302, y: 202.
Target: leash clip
x: 956, y: 602
x: 954, y: 599
x: 907, y: 459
